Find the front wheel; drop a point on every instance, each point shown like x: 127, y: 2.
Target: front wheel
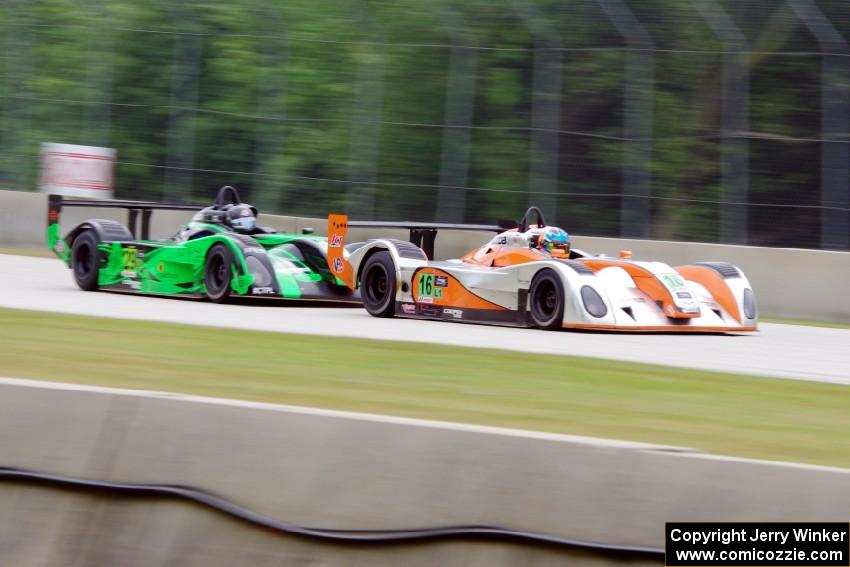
x: 378, y: 285
x: 546, y: 297
x: 218, y: 272
x: 85, y: 260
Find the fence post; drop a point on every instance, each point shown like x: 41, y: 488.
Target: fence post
x: 834, y: 124
x: 735, y: 121
x: 366, y: 125
x: 545, y: 108
x: 97, y: 113
x: 635, y: 209
x: 270, y: 134
x: 186, y: 65
x: 15, y: 130
x: 459, y: 110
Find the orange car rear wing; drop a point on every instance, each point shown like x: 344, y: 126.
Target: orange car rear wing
x: 339, y: 266
x: 423, y: 234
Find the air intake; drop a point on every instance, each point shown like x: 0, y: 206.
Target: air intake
x: 114, y: 231
x: 578, y: 267
x: 408, y: 250
x: 724, y: 269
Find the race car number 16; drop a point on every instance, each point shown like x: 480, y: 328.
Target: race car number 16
x: 427, y: 287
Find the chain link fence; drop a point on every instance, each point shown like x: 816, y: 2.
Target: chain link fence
x: 705, y: 120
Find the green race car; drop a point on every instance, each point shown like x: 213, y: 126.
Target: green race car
x: 219, y: 254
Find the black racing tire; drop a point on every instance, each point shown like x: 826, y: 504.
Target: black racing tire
x: 85, y: 260
x: 378, y: 284
x: 546, y: 300
x: 218, y: 271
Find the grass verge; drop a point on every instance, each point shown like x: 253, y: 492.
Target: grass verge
x: 36, y: 252
x: 826, y: 324
x: 720, y: 413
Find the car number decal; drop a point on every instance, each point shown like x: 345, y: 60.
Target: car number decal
x: 130, y: 263
x: 427, y: 287
x: 130, y: 258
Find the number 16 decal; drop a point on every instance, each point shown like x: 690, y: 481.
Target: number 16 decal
x: 427, y: 287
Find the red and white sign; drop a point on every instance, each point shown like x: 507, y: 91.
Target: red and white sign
x: 77, y: 171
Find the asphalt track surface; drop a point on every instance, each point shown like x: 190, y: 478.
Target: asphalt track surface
x: 781, y: 351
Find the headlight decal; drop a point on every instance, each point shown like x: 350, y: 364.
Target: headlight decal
x: 749, y: 304
x: 262, y: 277
x: 593, y: 302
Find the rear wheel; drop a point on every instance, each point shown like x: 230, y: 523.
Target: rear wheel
x: 85, y: 260
x: 546, y: 298
x: 378, y: 285
x: 218, y: 272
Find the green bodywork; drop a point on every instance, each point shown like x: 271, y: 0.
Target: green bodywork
x: 174, y: 267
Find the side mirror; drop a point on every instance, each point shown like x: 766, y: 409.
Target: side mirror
x: 625, y: 254
x: 307, y: 230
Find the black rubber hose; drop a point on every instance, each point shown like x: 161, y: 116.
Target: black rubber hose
x: 325, y: 534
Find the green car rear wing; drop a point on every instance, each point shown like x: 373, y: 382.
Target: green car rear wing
x: 135, y: 210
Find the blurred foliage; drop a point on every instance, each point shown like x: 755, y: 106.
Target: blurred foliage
x: 292, y: 96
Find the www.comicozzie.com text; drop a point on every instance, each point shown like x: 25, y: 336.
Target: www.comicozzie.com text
x: 755, y: 534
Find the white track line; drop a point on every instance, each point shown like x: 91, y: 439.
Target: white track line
x: 371, y: 417
x: 601, y: 443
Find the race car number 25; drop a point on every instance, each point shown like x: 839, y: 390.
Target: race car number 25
x: 427, y: 287
x: 130, y: 261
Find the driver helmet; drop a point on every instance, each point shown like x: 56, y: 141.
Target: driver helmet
x: 241, y: 218
x: 555, y: 242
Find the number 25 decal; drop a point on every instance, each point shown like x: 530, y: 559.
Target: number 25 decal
x: 129, y: 258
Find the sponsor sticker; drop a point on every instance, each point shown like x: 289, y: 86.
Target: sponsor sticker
x: 263, y: 291
x: 432, y: 310
x: 409, y: 308
x: 128, y: 274
x: 456, y: 313
x: 441, y: 281
x: 683, y: 294
x: 338, y: 265
x: 426, y: 299
x: 336, y: 241
x: 60, y: 246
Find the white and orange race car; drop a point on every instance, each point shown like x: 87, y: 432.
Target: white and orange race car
x: 511, y: 280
